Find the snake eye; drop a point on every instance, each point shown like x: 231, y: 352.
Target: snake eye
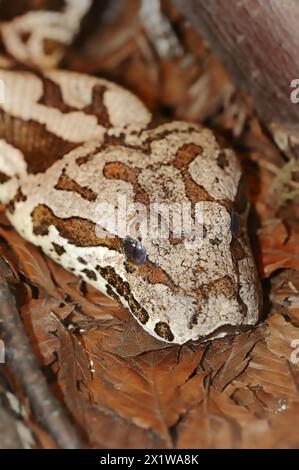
x: 133, y: 250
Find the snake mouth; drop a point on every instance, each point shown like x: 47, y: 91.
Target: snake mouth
x: 225, y: 330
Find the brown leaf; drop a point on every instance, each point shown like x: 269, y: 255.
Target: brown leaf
x: 280, y: 337
x: 32, y: 262
x: 92, y: 303
x: 150, y: 390
x: 74, y: 368
x: 125, y: 339
x: 270, y: 372
x: 285, y: 295
x: 222, y: 424
x: 278, y: 249
x: 108, y: 431
x: 226, y: 424
x: 41, y: 323
x: 234, y: 358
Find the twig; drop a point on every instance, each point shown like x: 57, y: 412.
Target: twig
x: 47, y: 410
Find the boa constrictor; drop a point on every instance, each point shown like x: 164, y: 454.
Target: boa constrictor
x: 71, y: 145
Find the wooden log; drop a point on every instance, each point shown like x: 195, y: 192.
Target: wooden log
x: 258, y: 41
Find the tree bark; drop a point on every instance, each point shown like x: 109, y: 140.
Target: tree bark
x: 258, y: 41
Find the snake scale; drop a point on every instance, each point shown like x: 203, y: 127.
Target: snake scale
x: 75, y: 147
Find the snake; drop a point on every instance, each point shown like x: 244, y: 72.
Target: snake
x: 151, y: 214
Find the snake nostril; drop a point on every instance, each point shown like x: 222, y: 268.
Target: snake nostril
x: 133, y: 250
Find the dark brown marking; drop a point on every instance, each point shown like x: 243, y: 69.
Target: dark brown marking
x: 193, y: 321
x: 120, y: 141
x: 17, y: 198
x: 58, y: 248
x: 10, y: 10
x: 123, y: 290
x: 214, y: 241
x: 4, y: 178
x: 78, y: 231
x: 52, y: 96
x: 120, y: 171
x: 25, y: 36
x: 175, y: 240
x: 65, y: 183
x: 90, y: 274
x: 40, y: 147
x: 241, y: 200
x: 113, y: 294
x: 167, y: 132
x: 145, y: 146
x: 242, y: 306
x: 97, y: 106
x: 222, y: 161
x: 155, y: 275
x: 81, y: 260
x: 186, y: 154
x: 195, y: 192
x: 237, y: 250
x: 224, y: 285
x: 51, y: 45
x: 163, y: 330
x: 82, y: 160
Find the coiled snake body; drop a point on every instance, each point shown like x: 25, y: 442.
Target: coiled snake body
x: 74, y: 146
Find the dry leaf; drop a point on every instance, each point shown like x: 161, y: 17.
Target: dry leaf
x: 32, y: 262
x: 74, y: 368
x: 270, y: 372
x: 279, y: 250
x: 149, y: 390
x: 41, y: 323
x: 222, y: 424
x: 280, y: 337
x: 228, y: 360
